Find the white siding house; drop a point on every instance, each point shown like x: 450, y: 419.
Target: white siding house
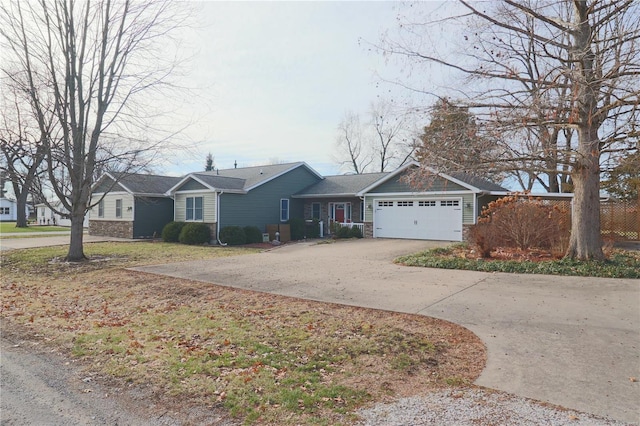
x: 8, y: 210
x: 46, y: 216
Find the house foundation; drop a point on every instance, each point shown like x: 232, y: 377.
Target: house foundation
x: 111, y: 228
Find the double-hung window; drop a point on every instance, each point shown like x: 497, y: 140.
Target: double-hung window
x: 100, y: 209
x: 194, y: 208
x: 284, y: 209
x: 119, y: 208
x: 315, y: 211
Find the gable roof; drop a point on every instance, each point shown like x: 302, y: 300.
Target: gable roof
x: 478, y: 182
x: 340, y: 185
x: 470, y: 182
x: 140, y: 184
x: 242, y: 179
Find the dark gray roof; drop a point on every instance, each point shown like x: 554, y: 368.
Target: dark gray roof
x: 249, y: 177
x: 478, y: 182
x: 146, y: 184
x: 221, y: 182
x: 341, y: 185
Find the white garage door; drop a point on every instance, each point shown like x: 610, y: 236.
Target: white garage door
x: 436, y: 219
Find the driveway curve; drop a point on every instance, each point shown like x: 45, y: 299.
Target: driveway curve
x: 569, y: 341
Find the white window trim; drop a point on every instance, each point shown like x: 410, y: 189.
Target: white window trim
x: 193, y: 209
x: 347, y: 207
x: 282, y: 210
x: 119, y: 201
x: 319, y: 210
x: 100, y: 208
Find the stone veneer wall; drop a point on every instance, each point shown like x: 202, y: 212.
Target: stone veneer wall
x: 111, y: 228
x: 465, y: 232
x: 368, y: 230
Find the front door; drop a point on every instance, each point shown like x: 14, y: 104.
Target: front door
x: 338, y: 212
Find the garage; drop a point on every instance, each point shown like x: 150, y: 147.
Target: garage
x: 425, y: 219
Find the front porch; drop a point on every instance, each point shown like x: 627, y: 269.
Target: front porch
x: 346, y: 212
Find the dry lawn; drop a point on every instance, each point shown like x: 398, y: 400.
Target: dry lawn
x: 263, y: 359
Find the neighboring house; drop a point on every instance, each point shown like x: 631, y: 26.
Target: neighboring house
x: 46, y: 216
x: 387, y: 207
x: 247, y: 196
x: 8, y: 210
x: 131, y: 205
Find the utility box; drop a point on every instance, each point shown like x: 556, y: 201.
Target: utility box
x: 265, y: 237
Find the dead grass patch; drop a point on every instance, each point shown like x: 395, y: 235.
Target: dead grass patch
x: 266, y: 359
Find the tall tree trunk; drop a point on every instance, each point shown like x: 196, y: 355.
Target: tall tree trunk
x: 21, y: 209
x: 586, y: 242
x: 76, y: 248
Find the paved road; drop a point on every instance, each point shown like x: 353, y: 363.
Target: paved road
x: 46, y: 240
x: 573, y: 342
x: 41, y: 389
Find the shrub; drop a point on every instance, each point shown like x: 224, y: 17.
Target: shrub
x: 313, y: 229
x: 342, y: 232
x: 171, y: 232
x: 195, y: 233
x: 484, y: 237
x: 252, y: 234
x: 233, y: 235
x: 297, y: 228
x: 521, y: 223
x: 355, y: 232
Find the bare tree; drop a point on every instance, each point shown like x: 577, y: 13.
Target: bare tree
x: 576, y: 94
x: 391, y: 144
x: 382, y: 142
x: 353, y: 153
x: 87, y: 63
x: 23, y: 146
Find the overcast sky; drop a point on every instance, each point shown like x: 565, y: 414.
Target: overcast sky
x: 274, y: 79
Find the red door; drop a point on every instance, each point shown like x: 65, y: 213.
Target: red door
x: 339, y: 213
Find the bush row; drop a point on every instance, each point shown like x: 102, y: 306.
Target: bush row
x: 236, y: 235
x: 199, y: 233
x: 340, y: 231
x: 186, y: 233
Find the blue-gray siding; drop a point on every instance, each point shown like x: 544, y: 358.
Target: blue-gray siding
x: 395, y: 184
x: 151, y: 215
x: 261, y: 206
x: 191, y: 185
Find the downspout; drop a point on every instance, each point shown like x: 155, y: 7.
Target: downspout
x: 364, y: 214
x: 218, y: 194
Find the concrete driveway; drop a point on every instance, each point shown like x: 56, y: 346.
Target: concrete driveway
x: 573, y: 342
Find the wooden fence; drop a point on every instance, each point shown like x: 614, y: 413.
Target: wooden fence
x: 619, y: 220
